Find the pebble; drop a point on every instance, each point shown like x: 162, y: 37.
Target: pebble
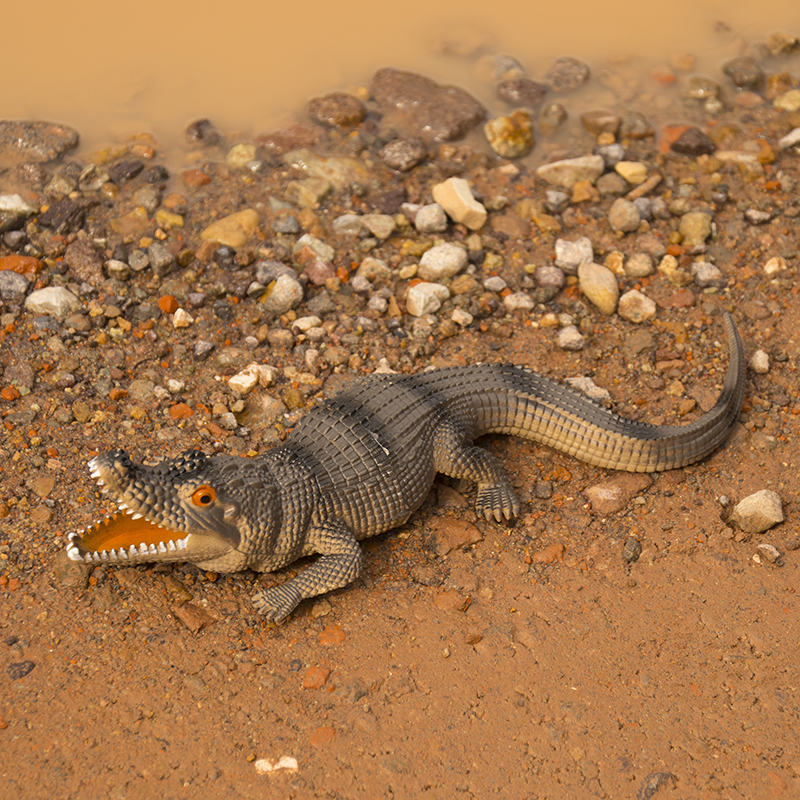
x: 570, y: 338
x: 462, y: 317
x: 694, y: 142
x: 347, y: 225
x: 14, y: 211
x: 430, y: 218
x: 550, y: 277
x: 624, y: 216
x: 759, y: 362
x: 306, y: 194
x: 588, y: 387
x: 512, y: 136
x: 240, y: 155
x: 775, y: 266
x: 788, y: 101
x: 757, y: 217
x: 611, y: 185
x: 426, y: 298
x: 597, y: 122
x: 551, y: 118
x: 639, y: 265
x: 570, y: 255
x: 612, y: 495
x: 342, y: 172
x: 404, y: 154
x: 36, y: 141
x: 634, y: 172
x: 758, y: 512
x: 455, y: 197
x: 251, y: 376
x: 744, y: 72
x: 522, y: 92
x: 55, y: 301
x: 182, y: 319
x: 337, y: 110
x: 792, y: 139
x: 636, y: 307
x: 381, y: 226
x: 567, y: 74
x: 518, y: 301
x: 160, y: 258
x: 695, y: 228
x: 567, y: 172
x: 494, y: 284
x: 442, y: 261
x: 767, y: 552
x: 706, y: 275
x: 233, y: 230
x: 13, y: 286
x: 555, y: 201
x: 440, y: 113
x: 611, y: 154
x: 284, y: 296
x: 599, y: 284
x: 314, y: 246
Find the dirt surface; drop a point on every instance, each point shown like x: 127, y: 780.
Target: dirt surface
x: 635, y: 653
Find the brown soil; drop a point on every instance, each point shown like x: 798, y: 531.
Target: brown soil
x: 537, y: 662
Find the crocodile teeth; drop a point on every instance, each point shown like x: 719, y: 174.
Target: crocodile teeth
x: 171, y: 546
x: 162, y: 548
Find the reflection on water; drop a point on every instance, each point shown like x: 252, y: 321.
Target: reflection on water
x: 112, y: 69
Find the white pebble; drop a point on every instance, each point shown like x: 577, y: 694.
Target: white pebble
x: 570, y: 255
x: 759, y: 362
x: 518, y: 301
x: 442, y: 261
x: 636, y: 307
x: 425, y: 298
x: 570, y: 338
x: 182, y: 319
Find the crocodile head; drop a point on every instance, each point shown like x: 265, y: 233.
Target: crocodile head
x: 213, y: 510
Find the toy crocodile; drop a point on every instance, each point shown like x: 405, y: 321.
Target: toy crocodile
x: 362, y: 463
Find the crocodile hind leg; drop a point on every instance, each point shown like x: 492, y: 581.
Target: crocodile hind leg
x: 456, y: 456
x: 340, y: 563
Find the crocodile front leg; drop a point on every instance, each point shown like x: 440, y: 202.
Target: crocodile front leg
x: 340, y: 563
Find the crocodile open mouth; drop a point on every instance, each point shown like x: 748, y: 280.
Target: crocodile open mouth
x: 123, y: 536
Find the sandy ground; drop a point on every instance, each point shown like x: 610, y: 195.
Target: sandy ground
x: 535, y: 661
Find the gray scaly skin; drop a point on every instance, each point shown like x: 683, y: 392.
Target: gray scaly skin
x: 362, y: 463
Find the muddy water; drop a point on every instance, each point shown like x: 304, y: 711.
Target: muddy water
x: 113, y: 69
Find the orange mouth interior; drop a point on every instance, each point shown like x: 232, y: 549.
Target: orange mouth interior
x: 120, y: 531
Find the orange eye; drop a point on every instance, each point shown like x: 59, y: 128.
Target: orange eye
x: 204, y: 496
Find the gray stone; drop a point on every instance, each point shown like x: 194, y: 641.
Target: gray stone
x: 442, y: 261
x: 706, y: 275
x: 13, y: 286
x: 439, y: 113
x: 567, y: 74
x: 53, y: 300
x: 636, y: 307
x: 381, y: 226
x: 161, y: 259
x: 624, y: 216
x: 550, y: 277
x: 347, y: 225
x: 431, y: 218
x: 36, y: 141
x: 569, y: 171
x: 612, y: 154
x: 758, y: 512
x: 639, y: 265
x: 404, y: 154
x: 570, y: 255
x: 85, y: 262
x: 518, y: 301
x: 425, y: 298
x: 285, y: 295
x: 14, y: 211
x: 570, y: 338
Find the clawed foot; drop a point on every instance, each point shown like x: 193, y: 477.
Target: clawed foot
x: 277, y: 603
x: 497, y: 502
